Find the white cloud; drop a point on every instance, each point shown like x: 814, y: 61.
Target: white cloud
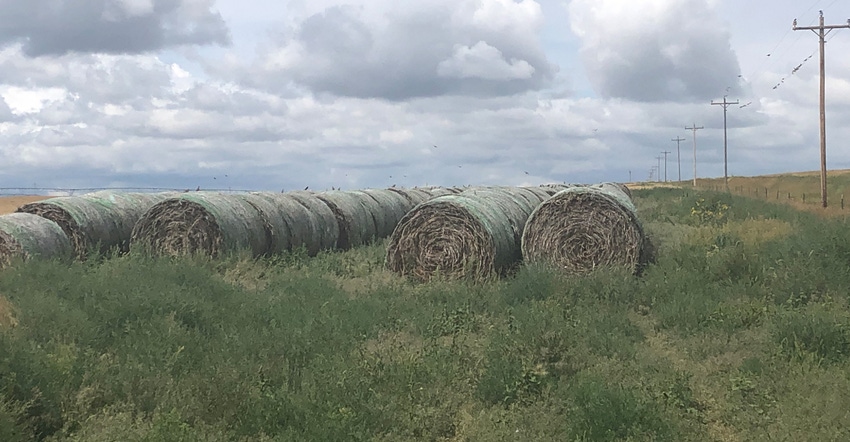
x: 31, y: 100
x: 395, y: 136
x: 655, y: 50
x: 485, y: 62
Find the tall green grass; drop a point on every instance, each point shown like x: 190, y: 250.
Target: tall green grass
x: 741, y: 318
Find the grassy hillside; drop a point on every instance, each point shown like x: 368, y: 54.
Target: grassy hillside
x: 739, y: 331
x: 800, y: 190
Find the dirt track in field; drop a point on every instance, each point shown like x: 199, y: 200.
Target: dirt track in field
x: 9, y: 204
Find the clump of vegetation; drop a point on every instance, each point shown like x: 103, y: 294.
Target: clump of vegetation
x: 712, y: 212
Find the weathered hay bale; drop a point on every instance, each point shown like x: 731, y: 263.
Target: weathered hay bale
x: 209, y: 223
x: 296, y: 220
x: 472, y: 234
x: 582, y: 228
x: 387, y: 211
x: 613, y: 187
x: 440, y: 191
x: 353, y: 214
x: 554, y: 188
x: 414, y: 196
x: 26, y: 236
x: 104, y: 219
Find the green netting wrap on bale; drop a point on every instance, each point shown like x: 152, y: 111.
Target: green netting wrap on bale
x: 387, y: 211
x: 103, y: 219
x: 473, y: 234
x: 353, y: 214
x: 552, y: 189
x: 26, y: 236
x: 618, y: 191
x: 207, y: 223
x: 414, y: 196
x: 312, y: 226
x: 582, y: 228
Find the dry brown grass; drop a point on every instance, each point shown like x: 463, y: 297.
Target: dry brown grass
x: 9, y: 204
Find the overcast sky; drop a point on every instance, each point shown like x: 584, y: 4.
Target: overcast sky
x: 288, y: 94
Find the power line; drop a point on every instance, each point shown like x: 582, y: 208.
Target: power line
x: 695, y: 129
x: 821, y: 30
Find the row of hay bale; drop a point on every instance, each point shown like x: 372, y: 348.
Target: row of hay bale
x: 73, y: 226
x: 453, y: 232
x: 205, y: 222
x: 482, y: 232
x: 266, y: 223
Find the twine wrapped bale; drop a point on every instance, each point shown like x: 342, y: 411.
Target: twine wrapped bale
x: 356, y: 225
x: 473, y: 234
x: 582, y: 228
x: 27, y: 236
x: 104, y: 219
x: 209, y: 223
x: 298, y: 219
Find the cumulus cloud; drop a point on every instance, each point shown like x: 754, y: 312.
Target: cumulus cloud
x: 485, y: 62
x: 49, y: 27
x: 655, y: 50
x: 470, y: 47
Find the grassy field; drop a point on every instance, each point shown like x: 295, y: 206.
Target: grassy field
x: 800, y: 190
x: 9, y: 204
x: 739, y: 332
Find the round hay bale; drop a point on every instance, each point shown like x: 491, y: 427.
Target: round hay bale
x: 582, y: 228
x: 353, y: 214
x: 102, y: 220
x: 440, y: 191
x: 387, y: 211
x: 414, y: 196
x: 209, y: 223
x: 554, y: 188
x: 296, y: 220
x: 27, y: 236
x: 473, y: 234
x: 614, y: 188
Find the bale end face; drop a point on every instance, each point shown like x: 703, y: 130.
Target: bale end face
x: 178, y: 227
x: 581, y: 230
x: 65, y: 221
x: 440, y: 239
x: 10, y: 248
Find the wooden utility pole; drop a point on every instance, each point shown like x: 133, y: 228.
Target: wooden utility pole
x: 821, y: 30
x: 695, y: 129
x: 659, y: 167
x: 678, y: 155
x: 665, y: 152
x: 725, y: 104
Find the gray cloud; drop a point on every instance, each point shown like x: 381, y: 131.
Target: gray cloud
x: 671, y: 50
x: 50, y: 27
x: 444, y: 49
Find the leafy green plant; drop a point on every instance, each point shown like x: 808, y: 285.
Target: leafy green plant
x: 711, y: 212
